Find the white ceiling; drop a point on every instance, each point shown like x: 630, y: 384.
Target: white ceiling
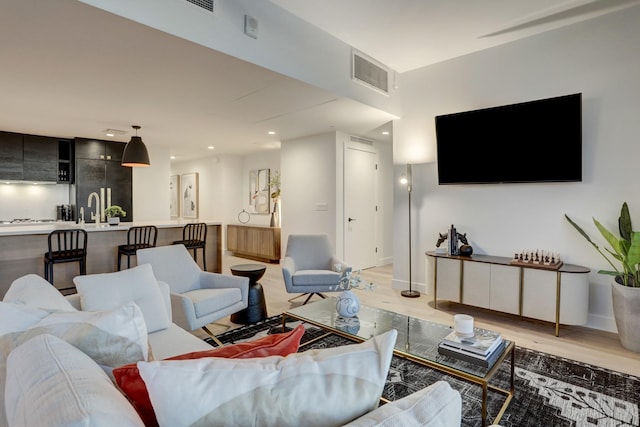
x: 69, y: 69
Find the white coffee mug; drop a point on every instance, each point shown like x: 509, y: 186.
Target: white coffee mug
x: 463, y: 324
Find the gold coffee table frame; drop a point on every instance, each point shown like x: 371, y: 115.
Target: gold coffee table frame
x: 417, y: 341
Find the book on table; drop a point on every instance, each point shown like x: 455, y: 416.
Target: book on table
x: 483, y: 341
x: 486, y: 361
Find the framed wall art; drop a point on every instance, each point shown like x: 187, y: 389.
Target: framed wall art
x: 174, y: 196
x: 189, y: 195
x: 259, y: 191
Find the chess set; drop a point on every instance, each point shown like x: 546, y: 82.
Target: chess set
x: 538, y: 258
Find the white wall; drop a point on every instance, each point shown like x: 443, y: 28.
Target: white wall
x: 308, y: 168
x: 599, y: 58
x: 223, y: 183
x: 151, y: 187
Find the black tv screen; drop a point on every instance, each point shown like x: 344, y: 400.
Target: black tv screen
x: 535, y: 141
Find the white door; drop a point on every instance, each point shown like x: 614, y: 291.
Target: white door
x: 360, y: 207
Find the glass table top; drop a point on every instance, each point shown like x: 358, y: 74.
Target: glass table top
x: 417, y: 338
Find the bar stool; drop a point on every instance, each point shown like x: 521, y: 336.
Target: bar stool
x: 194, y: 237
x: 139, y: 237
x: 68, y: 245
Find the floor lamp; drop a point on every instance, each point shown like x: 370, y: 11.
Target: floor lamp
x: 406, y: 179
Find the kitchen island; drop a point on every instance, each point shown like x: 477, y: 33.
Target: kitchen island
x: 22, y: 248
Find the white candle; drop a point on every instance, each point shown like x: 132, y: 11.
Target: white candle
x: 463, y: 324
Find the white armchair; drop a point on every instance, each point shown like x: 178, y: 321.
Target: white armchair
x: 309, y: 266
x: 197, y: 297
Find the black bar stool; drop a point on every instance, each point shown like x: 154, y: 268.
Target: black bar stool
x: 139, y: 237
x: 68, y: 245
x: 194, y: 237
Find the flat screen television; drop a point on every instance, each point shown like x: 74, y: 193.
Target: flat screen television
x: 535, y: 141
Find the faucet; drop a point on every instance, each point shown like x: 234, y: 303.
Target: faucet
x: 95, y: 216
x: 81, y: 215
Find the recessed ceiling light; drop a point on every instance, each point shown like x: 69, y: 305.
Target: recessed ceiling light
x: 385, y: 132
x: 211, y: 147
x: 113, y: 132
x: 271, y: 132
x: 172, y: 157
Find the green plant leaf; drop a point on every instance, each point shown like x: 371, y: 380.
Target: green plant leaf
x: 613, y: 241
x: 624, y: 223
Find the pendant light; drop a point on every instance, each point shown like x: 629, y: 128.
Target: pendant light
x: 135, y: 153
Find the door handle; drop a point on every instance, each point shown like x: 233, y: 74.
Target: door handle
x: 351, y: 219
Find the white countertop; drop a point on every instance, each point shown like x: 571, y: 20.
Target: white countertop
x: 46, y: 228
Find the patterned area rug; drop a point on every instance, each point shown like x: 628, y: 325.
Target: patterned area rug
x: 550, y: 391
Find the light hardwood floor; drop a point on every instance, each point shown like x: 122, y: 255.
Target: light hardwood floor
x: 575, y: 342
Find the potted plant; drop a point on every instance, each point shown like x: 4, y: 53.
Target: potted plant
x: 114, y: 213
x: 274, y: 184
x: 623, y: 254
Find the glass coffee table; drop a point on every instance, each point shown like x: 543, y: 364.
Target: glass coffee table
x: 417, y: 341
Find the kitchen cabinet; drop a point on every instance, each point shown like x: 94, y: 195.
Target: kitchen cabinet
x: 99, y: 150
x: 28, y: 157
x: 40, y: 158
x: 11, y: 156
x: 491, y: 282
x: 97, y: 166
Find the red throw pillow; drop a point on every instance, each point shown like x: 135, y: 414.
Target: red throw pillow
x: 128, y: 377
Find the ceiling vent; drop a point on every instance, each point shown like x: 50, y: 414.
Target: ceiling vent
x: 207, y: 5
x: 359, y: 139
x: 367, y: 71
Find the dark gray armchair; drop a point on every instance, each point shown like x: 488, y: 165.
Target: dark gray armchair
x: 310, y: 266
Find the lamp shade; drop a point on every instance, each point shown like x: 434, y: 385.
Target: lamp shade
x: 135, y: 152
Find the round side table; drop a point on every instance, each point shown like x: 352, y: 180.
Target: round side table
x: 257, y: 308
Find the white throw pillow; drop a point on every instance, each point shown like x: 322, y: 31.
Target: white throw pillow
x: 327, y: 387
x: 18, y: 317
x: 50, y: 383
x: 112, y: 338
x: 435, y: 406
x: 34, y: 291
x: 110, y: 290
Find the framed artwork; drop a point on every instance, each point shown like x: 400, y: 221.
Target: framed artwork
x: 189, y: 195
x: 174, y: 196
x: 259, y: 191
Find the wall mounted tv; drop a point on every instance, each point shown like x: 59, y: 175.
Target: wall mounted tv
x: 535, y: 141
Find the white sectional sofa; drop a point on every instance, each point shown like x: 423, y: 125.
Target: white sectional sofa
x: 56, y: 355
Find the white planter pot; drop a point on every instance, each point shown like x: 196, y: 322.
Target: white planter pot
x: 348, y: 304
x: 114, y: 220
x: 626, y: 310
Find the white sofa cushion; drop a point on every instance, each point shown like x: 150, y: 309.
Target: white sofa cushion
x: 435, y: 406
x: 18, y: 317
x: 50, y: 383
x: 34, y: 291
x: 326, y: 387
x: 112, y: 338
x: 110, y: 290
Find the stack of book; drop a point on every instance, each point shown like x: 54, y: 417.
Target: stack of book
x: 483, y: 348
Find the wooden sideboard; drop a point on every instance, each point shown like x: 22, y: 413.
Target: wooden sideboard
x: 254, y: 242
x: 560, y: 296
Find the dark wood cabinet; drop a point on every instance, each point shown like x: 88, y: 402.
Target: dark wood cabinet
x: 97, y: 149
x: 40, y: 158
x: 11, y: 156
x: 97, y: 166
x: 28, y: 157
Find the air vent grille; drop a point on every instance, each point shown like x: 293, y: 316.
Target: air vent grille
x: 205, y: 4
x: 359, y: 139
x: 366, y: 71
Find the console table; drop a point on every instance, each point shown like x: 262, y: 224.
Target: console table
x: 492, y: 282
x: 257, y: 242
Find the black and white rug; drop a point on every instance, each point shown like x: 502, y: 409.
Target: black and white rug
x: 550, y: 391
